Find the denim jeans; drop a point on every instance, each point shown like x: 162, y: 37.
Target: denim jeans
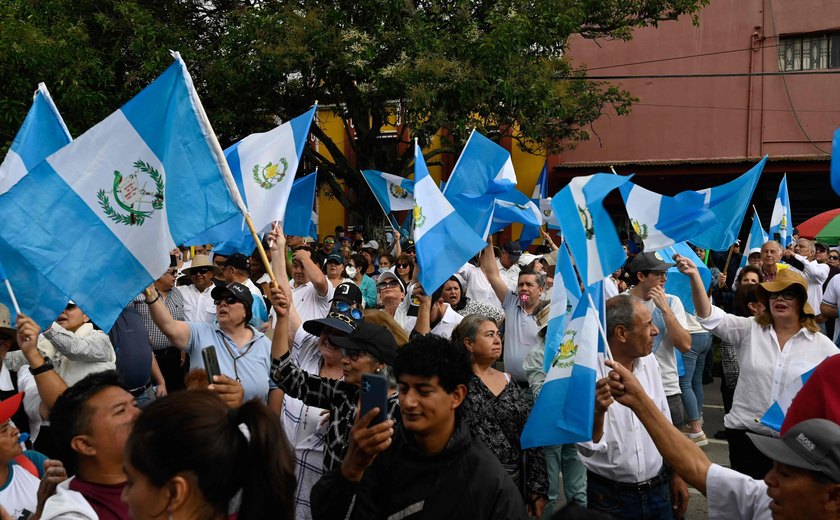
x: 654, y: 504
x: 564, y: 458
x: 691, y: 384
x: 146, y: 398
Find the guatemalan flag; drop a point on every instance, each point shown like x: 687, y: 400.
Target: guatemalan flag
x: 514, y: 206
x: 565, y: 295
x: 679, y: 284
x: 443, y: 241
x: 729, y: 203
x: 756, y: 238
x: 394, y: 193
x: 775, y: 415
x: 98, y: 218
x: 298, y: 219
x: 587, y: 226
x: 565, y: 408
x: 483, y: 170
x: 542, y: 200
x: 43, y: 132
x: 781, y: 227
x: 660, y: 220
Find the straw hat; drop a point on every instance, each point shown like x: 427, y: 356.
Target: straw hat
x: 785, y: 278
x: 201, y: 261
x: 6, y: 321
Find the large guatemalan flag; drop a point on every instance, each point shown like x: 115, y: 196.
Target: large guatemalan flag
x: 98, y: 218
x: 444, y: 242
x: 587, y: 226
x: 42, y: 133
x: 565, y: 408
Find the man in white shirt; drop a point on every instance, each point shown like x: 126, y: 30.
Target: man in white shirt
x: 198, y: 304
x: 310, y: 289
x: 650, y: 272
x: 803, y: 484
x: 803, y: 258
x: 626, y: 475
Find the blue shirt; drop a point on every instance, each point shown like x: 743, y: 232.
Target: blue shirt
x: 253, y: 360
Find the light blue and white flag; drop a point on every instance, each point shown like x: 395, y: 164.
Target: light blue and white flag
x: 394, y: 193
x: 781, y: 225
x: 542, y: 200
x: 266, y: 163
x: 565, y: 408
x: 679, y: 284
x: 660, y: 220
x: 775, y: 415
x: 587, y: 226
x: 298, y: 220
x: 98, y: 217
x: 483, y: 171
x: 756, y: 238
x: 443, y: 241
x: 42, y: 133
x: 514, y: 206
x: 729, y: 203
x: 565, y: 296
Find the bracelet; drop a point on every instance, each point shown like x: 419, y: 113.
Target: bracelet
x: 153, y: 301
x: 47, y: 366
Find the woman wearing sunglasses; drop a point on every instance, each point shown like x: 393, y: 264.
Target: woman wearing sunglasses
x: 404, y: 269
x: 244, y: 353
x: 775, y: 349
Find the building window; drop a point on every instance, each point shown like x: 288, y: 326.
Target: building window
x: 811, y: 52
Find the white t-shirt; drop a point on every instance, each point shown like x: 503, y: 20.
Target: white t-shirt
x: 665, y: 354
x: 21, y: 494
x: 309, y: 304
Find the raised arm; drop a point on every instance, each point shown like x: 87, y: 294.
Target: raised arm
x: 488, y: 267
x: 49, y: 383
x: 177, y: 331
x: 679, y: 452
x: 313, y: 272
x: 702, y: 305
x: 277, y: 239
x: 90, y: 348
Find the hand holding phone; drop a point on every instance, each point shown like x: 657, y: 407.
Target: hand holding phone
x: 375, y: 395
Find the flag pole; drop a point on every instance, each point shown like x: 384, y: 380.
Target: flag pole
x: 12, y: 296
x: 260, y: 248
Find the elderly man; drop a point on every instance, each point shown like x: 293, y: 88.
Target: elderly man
x: 198, y: 304
x: 803, y: 258
x: 626, y: 475
x: 521, y: 308
x: 650, y: 272
x: 803, y: 484
x: 771, y: 255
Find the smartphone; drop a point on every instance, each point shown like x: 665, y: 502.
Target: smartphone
x: 211, y: 363
x: 375, y: 395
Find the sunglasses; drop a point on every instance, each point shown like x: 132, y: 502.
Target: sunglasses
x: 833, y: 257
x: 202, y: 270
x: 403, y: 266
x: 230, y: 300
x: 329, y: 241
x: 354, y: 355
x: 787, y: 294
x: 388, y: 285
x: 346, y: 308
x: 173, y: 272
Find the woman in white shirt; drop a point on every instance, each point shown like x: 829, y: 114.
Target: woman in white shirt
x: 775, y: 349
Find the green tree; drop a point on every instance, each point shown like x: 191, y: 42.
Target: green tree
x: 425, y: 66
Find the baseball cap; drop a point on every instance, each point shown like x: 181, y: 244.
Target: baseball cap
x: 237, y: 261
x: 512, y: 248
x: 9, y: 406
x: 370, y: 338
x: 335, y: 257
x: 370, y: 244
x: 348, y: 292
x: 237, y: 290
x: 650, y: 261
x: 389, y: 275
x: 813, y: 444
x: 754, y: 251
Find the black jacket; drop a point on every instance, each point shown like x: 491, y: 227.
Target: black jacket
x: 464, y: 481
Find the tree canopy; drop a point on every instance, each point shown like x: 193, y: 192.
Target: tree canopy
x: 421, y: 66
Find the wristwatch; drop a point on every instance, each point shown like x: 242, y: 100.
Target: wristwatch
x: 47, y: 366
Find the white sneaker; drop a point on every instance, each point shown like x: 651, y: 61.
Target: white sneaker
x: 698, y: 438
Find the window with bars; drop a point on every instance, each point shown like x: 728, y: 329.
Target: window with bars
x: 809, y: 52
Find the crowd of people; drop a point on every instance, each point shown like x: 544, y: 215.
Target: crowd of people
x: 227, y: 389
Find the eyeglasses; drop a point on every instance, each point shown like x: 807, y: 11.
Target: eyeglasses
x: 403, y: 266
x: 173, y: 272
x: 230, y: 300
x: 346, y: 308
x: 658, y: 274
x: 202, y: 270
x: 352, y: 354
x: 787, y: 294
x: 388, y: 285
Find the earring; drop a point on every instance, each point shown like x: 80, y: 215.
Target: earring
x: 378, y: 370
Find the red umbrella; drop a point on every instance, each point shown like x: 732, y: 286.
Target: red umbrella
x: 824, y: 227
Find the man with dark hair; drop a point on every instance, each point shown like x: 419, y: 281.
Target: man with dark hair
x: 431, y: 465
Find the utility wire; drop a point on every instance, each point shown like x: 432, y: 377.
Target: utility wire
x: 708, y: 75
x: 687, y: 56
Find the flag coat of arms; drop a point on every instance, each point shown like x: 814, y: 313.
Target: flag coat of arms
x: 565, y: 407
x: 98, y: 218
x: 587, y: 227
x: 443, y: 241
x: 394, y: 193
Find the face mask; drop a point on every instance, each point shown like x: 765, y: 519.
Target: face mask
x: 351, y: 272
